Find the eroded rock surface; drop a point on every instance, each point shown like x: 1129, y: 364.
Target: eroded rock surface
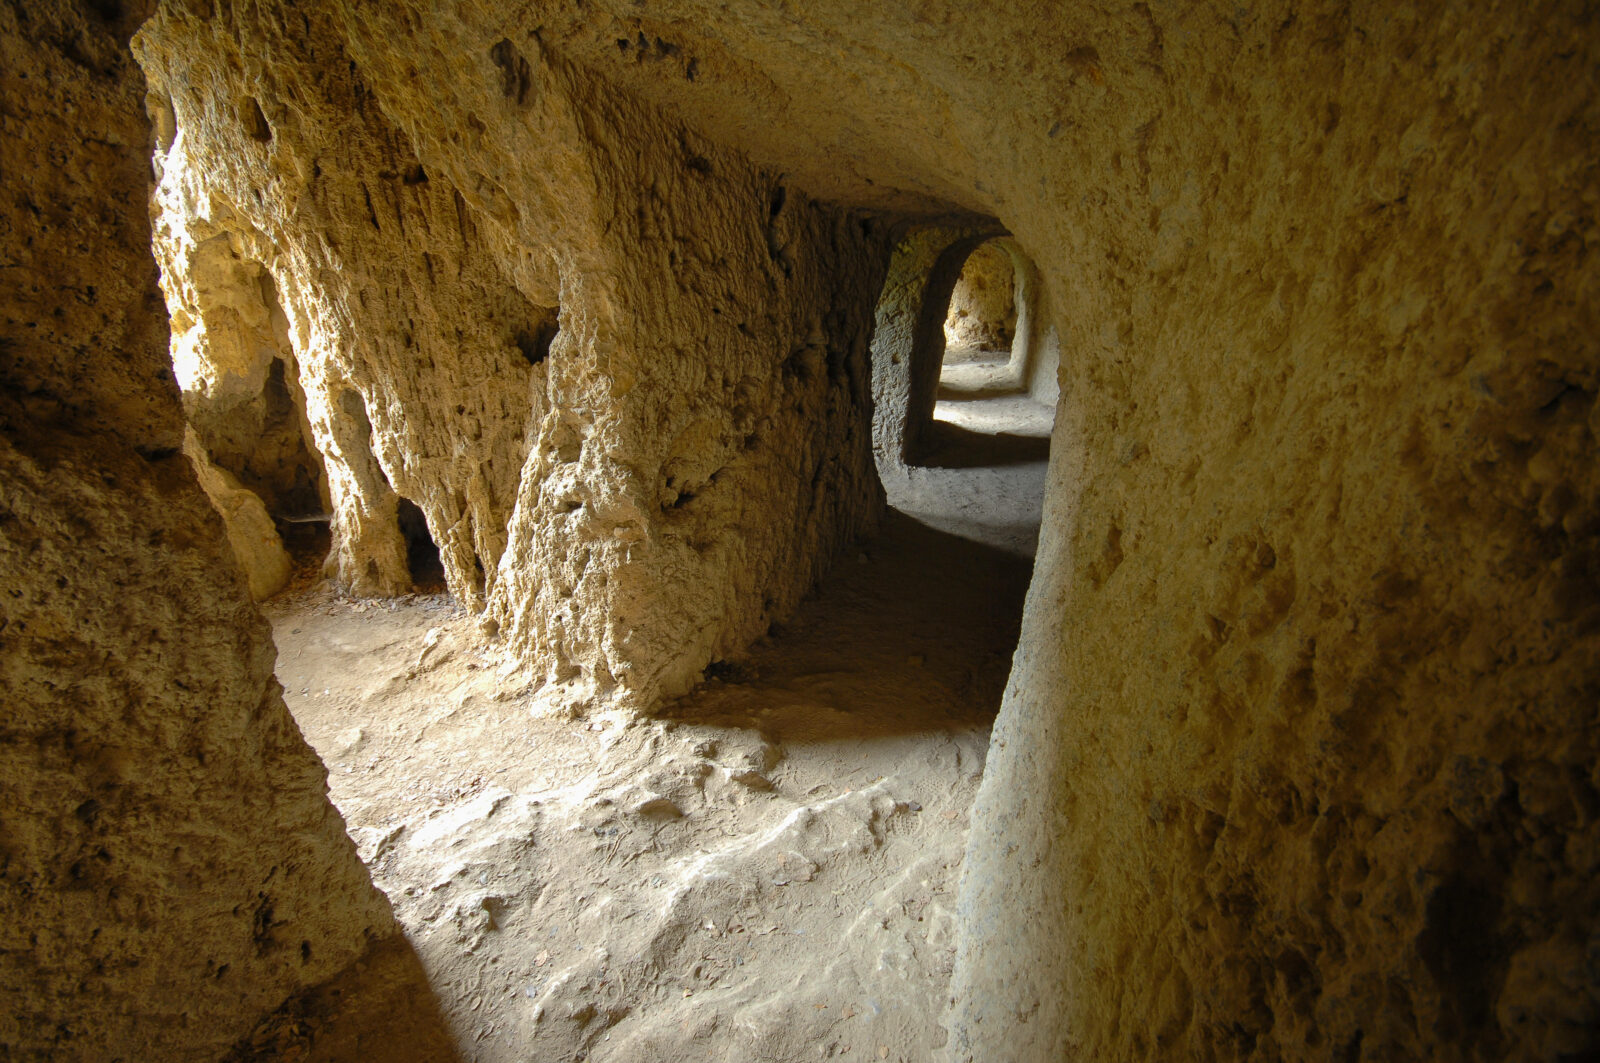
x: 170, y: 867
x: 1298, y: 756
x: 254, y: 539
x: 625, y: 378
x: 983, y: 306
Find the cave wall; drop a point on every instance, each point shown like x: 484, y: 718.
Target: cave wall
x: 1043, y: 375
x: 1036, y: 354
x: 236, y: 366
x: 251, y: 533
x: 170, y: 867
x: 678, y: 466
x: 712, y: 455
x: 1298, y: 757
x: 248, y: 433
x: 414, y: 345
x: 908, y: 339
x: 1308, y: 673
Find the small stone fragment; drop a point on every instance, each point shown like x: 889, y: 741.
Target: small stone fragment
x: 658, y: 808
x: 754, y: 780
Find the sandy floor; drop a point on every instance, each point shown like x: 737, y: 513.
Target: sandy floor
x: 764, y: 872
x: 970, y: 372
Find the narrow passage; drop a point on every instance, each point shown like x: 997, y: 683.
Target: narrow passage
x: 765, y: 871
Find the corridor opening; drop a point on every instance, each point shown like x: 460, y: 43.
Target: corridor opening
x: 993, y: 402
x: 964, y: 385
x: 981, y: 324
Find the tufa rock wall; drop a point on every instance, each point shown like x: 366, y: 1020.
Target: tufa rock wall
x: 707, y: 451
x: 1299, y: 751
x: 251, y: 533
x: 1035, y: 361
x: 417, y: 360
x: 240, y: 379
x: 656, y: 480
x: 170, y: 868
x: 1298, y: 759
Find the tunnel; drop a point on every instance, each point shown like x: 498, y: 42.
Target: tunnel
x: 682, y: 531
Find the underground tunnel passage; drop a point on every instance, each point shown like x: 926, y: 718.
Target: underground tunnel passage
x: 605, y: 874
x: 961, y: 432
x: 742, y: 727
x: 601, y: 871
x: 981, y: 324
x: 995, y: 399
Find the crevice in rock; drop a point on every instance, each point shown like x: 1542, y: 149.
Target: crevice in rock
x: 422, y: 553
x: 534, y: 341
x: 254, y: 120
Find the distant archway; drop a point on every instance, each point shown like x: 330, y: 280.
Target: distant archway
x: 422, y: 553
x: 960, y: 317
x: 981, y: 322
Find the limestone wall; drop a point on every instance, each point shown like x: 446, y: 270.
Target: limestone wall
x: 170, y: 868
x: 1044, y: 376
x: 1298, y: 757
x: 632, y: 500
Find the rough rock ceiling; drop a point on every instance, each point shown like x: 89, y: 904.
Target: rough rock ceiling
x: 889, y: 107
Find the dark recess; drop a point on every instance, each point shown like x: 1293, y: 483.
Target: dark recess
x: 422, y: 553
x: 255, y: 120
x: 535, y: 343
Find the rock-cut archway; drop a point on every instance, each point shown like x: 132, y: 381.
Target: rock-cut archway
x: 963, y: 288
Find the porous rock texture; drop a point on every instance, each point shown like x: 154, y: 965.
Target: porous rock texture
x: 1298, y: 757
x: 170, y: 867
x: 908, y: 337
x: 251, y: 533
x: 240, y: 379
x: 406, y: 341
x: 630, y: 497
x: 983, y: 306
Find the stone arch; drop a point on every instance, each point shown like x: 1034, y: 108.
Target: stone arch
x: 909, y: 340
x: 983, y: 306
x: 908, y: 334
x: 1030, y: 337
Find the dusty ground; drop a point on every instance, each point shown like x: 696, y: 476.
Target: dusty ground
x: 973, y: 372
x: 765, y: 872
